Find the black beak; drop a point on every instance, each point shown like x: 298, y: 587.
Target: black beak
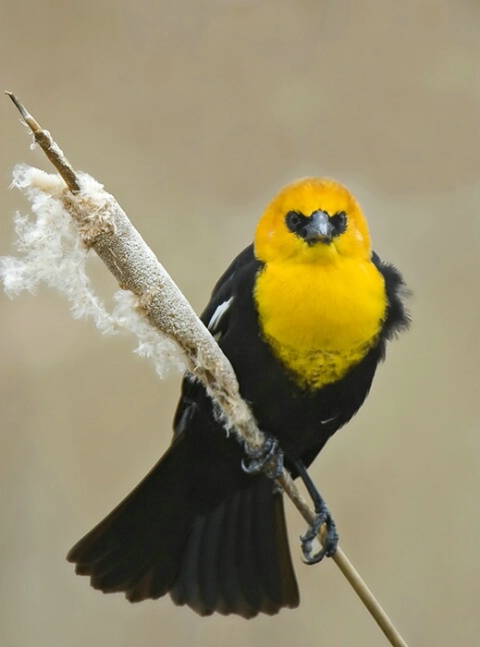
x: 319, y: 229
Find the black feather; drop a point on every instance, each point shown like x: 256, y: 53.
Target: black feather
x: 197, y: 526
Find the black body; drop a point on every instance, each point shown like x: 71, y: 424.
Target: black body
x: 198, y: 526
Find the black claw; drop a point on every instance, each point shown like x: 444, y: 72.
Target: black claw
x: 268, y: 459
x: 330, y: 541
x: 323, y: 516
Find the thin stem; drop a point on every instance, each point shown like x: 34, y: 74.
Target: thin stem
x: 217, y: 375
x: 346, y: 567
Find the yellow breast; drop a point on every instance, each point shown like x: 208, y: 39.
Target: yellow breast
x: 320, y: 320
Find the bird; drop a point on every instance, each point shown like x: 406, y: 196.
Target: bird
x: 303, y: 314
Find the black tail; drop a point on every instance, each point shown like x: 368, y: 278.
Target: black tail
x: 214, y: 538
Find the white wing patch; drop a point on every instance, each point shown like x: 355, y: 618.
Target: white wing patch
x: 327, y: 420
x: 217, y: 317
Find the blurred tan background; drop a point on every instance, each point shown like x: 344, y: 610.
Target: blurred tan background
x: 194, y: 114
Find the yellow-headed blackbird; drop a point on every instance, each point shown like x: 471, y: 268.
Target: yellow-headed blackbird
x: 304, y: 315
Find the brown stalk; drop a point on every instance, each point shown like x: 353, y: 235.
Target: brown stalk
x: 136, y: 268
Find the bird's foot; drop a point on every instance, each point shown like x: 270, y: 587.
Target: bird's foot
x: 268, y: 459
x: 330, y: 538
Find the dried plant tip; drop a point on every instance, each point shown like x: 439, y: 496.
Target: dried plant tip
x: 48, y: 145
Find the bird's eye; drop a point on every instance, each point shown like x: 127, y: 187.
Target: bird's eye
x: 294, y: 221
x: 339, y: 222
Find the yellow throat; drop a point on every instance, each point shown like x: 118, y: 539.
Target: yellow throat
x: 321, y: 305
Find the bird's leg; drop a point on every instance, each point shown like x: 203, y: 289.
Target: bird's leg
x: 323, y: 516
x: 268, y: 459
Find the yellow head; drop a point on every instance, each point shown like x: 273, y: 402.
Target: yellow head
x: 313, y: 220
